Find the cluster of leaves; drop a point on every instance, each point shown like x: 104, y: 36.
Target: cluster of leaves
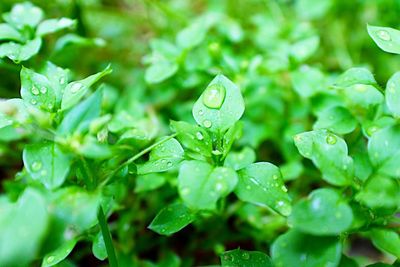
x: 328, y: 143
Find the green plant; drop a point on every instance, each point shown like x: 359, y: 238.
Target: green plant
x: 290, y: 161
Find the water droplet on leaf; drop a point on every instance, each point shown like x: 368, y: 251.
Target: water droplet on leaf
x: 199, y: 136
x: 245, y: 256
x: 214, y: 96
x: 384, y: 35
x: 43, y: 90
x: 216, y: 152
x: 50, y: 259
x: 36, y: 166
x: 207, y: 123
x: 284, y: 208
x: 34, y: 90
x: 33, y: 102
x: 76, y: 87
x: 331, y: 139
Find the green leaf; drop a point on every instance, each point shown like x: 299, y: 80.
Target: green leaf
x: 380, y: 193
x: 24, y: 14
x: 362, y: 95
x: 59, y: 254
x: 74, y: 91
x: 383, y: 151
x: 355, y: 76
x: 23, y: 226
x: 241, y: 159
x: 392, y: 94
x: 312, y: 9
x: 54, y: 25
x: 261, y: 184
x: 296, y: 249
x: 47, y: 163
x: 388, y: 39
x: 36, y: 90
x: 220, y: 106
x: 20, y: 52
x: 76, y: 208
x: 148, y: 182
x: 193, y: 137
x: 164, y: 48
x: 322, y: 213
x: 99, y: 247
x: 329, y: 154
x: 200, y: 185
x: 244, y: 258
x: 77, y: 41
x: 233, y: 134
x: 308, y: 81
x: 160, y: 70
x: 336, y: 119
x: 78, y: 119
x: 163, y: 157
x: 58, y: 78
x: 192, y: 35
x: 9, y: 33
x: 305, y: 48
x: 171, y: 219
x: 93, y: 149
x: 13, y: 111
x: 387, y: 241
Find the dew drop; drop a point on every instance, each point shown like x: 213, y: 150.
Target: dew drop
x: 284, y: 189
x: 214, y: 96
x: 33, y: 102
x: 76, y: 87
x: 384, y: 35
x: 207, y: 123
x: 62, y: 80
x: 219, y: 186
x: 50, y: 259
x: 360, y: 87
x: 36, y: 166
x: 43, y: 90
x: 201, y: 112
x: 275, y: 177
x: 169, y: 164
x: 371, y: 130
x: 245, y: 255
x: 297, y: 138
x: 216, y: 152
x: 331, y: 139
x: 35, y: 91
x: 185, y: 191
x: 199, y: 136
x: 284, y: 208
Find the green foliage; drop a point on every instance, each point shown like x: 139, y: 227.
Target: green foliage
x: 193, y: 133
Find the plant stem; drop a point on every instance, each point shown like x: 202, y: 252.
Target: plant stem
x: 136, y: 156
x: 112, y: 259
